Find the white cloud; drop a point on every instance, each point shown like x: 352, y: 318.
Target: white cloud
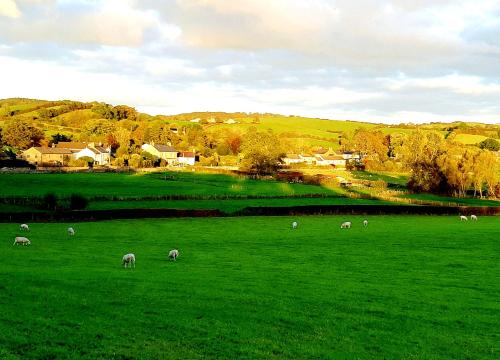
x: 459, y: 84
x: 385, y: 60
x: 9, y: 9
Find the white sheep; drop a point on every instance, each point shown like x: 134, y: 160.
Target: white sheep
x: 71, y: 231
x: 173, y: 254
x: 346, y: 225
x: 21, y: 240
x: 128, y: 259
x: 24, y: 227
x: 473, y: 217
x: 463, y: 218
x: 295, y: 224
x: 365, y: 223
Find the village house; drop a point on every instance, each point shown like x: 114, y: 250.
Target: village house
x: 165, y: 152
x: 186, y: 158
x: 349, y: 155
x: 335, y: 160
x: 292, y: 159
x: 307, y: 158
x: 101, y: 155
x: 47, y: 156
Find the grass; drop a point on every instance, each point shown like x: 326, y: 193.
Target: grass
x: 251, y: 288
x: 454, y: 200
x: 390, y: 178
x: 469, y: 139
x: 122, y: 184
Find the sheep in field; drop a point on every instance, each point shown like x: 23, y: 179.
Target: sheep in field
x: 295, y: 224
x: 473, y: 217
x: 346, y: 225
x: 365, y: 223
x: 128, y: 259
x: 24, y: 227
x: 173, y: 254
x: 21, y: 240
x: 463, y: 218
x: 71, y: 231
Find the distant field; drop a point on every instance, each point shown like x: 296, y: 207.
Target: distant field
x: 470, y: 139
x: 252, y: 288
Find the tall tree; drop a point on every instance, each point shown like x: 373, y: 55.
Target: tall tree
x: 262, y: 152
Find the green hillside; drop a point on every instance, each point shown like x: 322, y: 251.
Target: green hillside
x: 73, y: 119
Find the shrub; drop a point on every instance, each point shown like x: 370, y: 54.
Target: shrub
x: 78, y: 202
x: 49, y: 201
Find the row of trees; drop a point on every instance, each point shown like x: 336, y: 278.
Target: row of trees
x: 438, y: 166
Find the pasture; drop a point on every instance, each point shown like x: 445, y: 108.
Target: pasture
x: 253, y: 288
x: 149, y: 184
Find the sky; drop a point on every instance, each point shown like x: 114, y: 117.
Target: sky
x: 396, y: 61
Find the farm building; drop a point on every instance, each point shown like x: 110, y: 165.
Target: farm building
x: 292, y: 159
x: 165, y: 152
x: 309, y: 159
x: 101, y: 155
x: 186, y: 158
x: 47, y: 156
x: 335, y: 160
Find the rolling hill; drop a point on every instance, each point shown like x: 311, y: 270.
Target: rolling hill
x: 68, y: 117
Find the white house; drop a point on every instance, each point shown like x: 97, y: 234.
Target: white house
x: 348, y: 155
x: 309, y: 159
x: 197, y: 120
x: 101, y: 155
x: 186, y: 158
x: 230, y: 121
x: 293, y: 159
x: 335, y: 160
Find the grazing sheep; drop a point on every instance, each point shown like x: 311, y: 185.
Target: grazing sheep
x: 295, y: 224
x: 463, y: 218
x: 365, y: 223
x: 71, y: 231
x: 24, y: 227
x: 346, y: 225
x: 473, y: 217
x: 129, y: 259
x: 21, y: 240
x: 173, y: 254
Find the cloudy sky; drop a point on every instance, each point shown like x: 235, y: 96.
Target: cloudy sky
x: 373, y: 60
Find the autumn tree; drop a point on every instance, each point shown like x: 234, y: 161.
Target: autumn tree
x: 419, y: 153
x: 97, y: 129
x: 262, y: 152
x: 484, y: 164
x: 20, y: 134
x: 371, y: 142
x: 57, y: 138
x: 457, y: 167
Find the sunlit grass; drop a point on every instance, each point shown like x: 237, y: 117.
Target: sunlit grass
x: 252, y: 288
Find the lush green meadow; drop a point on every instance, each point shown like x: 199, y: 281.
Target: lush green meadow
x: 148, y: 184
x: 252, y: 288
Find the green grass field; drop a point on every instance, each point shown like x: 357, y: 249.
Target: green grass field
x: 252, y: 288
x: 154, y: 184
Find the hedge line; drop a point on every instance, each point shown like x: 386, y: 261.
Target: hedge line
x: 93, y: 215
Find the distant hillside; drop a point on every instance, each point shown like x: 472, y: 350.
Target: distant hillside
x: 73, y: 119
